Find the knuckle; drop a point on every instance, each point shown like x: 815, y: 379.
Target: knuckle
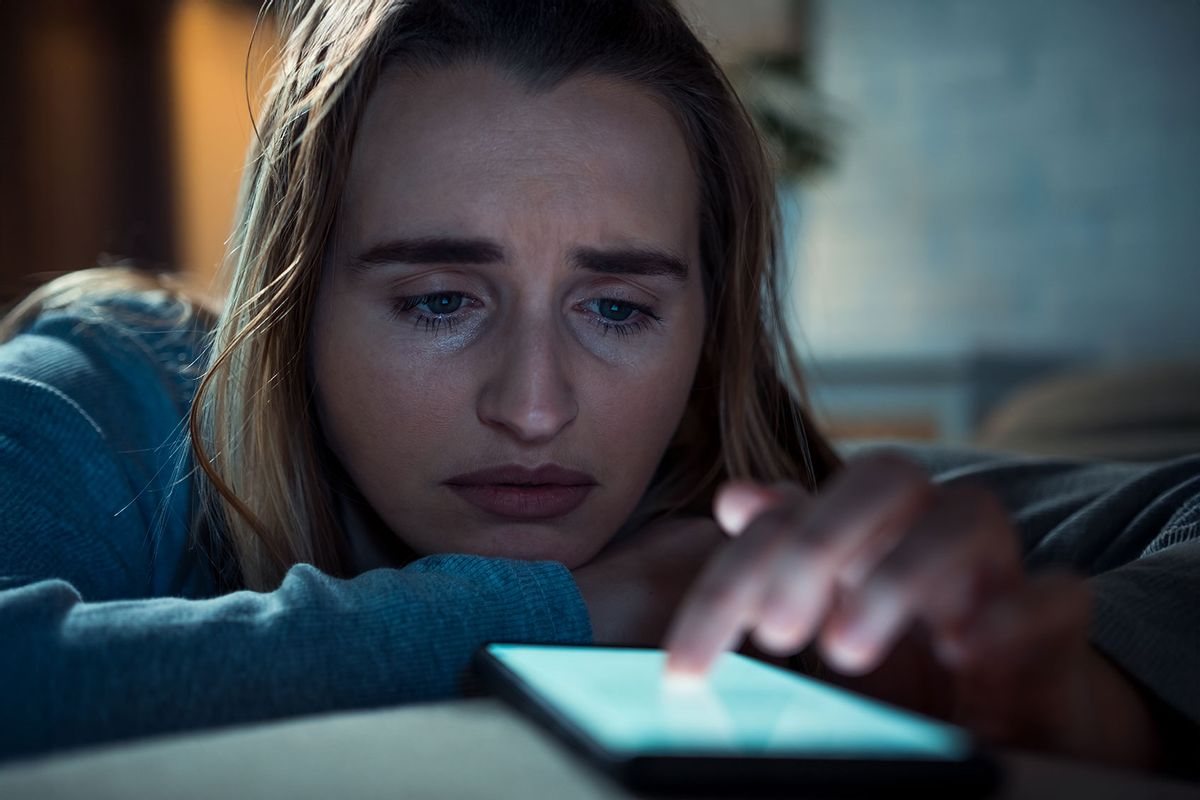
x: 889, y: 475
x: 791, y: 492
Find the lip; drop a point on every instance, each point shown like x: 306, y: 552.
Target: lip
x: 513, y: 502
x: 515, y: 474
x: 518, y: 492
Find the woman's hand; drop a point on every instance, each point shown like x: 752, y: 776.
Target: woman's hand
x: 881, y: 548
x: 884, y: 551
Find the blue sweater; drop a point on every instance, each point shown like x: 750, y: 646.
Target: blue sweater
x: 110, y: 618
x: 112, y: 624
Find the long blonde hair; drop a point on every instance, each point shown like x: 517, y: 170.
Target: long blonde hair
x: 265, y: 472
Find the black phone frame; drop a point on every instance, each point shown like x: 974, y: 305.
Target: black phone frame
x: 704, y: 774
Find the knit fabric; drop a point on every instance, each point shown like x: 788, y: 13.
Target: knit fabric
x: 111, y: 623
x: 1132, y: 528
x: 113, y: 627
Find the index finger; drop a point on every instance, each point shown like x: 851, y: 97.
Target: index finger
x: 785, y: 562
x: 718, y: 606
x: 722, y: 602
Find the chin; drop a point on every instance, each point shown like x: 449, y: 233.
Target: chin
x: 529, y: 543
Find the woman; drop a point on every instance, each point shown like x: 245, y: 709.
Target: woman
x: 503, y: 316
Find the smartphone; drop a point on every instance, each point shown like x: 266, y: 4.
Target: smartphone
x: 745, y: 728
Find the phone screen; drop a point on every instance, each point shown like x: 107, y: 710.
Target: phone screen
x: 623, y: 699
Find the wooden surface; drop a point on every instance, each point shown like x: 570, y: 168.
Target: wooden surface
x: 463, y: 749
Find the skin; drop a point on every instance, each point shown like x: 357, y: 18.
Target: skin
x: 911, y: 591
x: 916, y: 593
x: 522, y: 371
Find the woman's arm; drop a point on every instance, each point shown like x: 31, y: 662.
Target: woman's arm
x: 74, y: 672
x: 91, y: 655
x: 96, y: 648
x: 1127, y: 730
x: 1145, y: 631
x: 883, y: 549
x: 1135, y: 530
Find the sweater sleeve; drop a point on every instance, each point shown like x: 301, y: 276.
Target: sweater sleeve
x: 1132, y: 528
x: 74, y: 672
x: 96, y: 649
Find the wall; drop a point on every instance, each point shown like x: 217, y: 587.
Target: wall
x: 217, y: 79
x: 85, y: 157
x: 1014, y: 176
x: 125, y: 131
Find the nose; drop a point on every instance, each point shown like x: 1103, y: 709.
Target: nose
x: 529, y: 392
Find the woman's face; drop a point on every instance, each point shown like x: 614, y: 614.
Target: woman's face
x: 516, y: 281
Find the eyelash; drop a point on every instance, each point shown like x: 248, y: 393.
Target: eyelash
x: 402, y: 306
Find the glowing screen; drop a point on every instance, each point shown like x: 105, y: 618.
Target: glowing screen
x: 624, y: 701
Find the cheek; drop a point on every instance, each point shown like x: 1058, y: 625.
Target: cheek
x: 401, y: 417
x: 383, y: 408
x: 631, y: 415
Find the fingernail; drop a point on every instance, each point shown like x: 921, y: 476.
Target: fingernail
x: 688, y: 685
x: 738, y: 503
x: 773, y: 639
x: 681, y: 664
x: 733, y: 514
x: 852, y: 645
x: 857, y: 634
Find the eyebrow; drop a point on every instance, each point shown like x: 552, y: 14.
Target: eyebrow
x: 639, y: 260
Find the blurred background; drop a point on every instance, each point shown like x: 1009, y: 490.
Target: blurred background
x: 992, y: 208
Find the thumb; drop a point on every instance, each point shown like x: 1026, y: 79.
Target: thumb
x: 737, y: 503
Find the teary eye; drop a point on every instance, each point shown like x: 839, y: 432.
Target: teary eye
x: 615, y: 310
x: 441, y: 303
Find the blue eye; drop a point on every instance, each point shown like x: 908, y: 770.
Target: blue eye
x: 444, y: 303
x: 615, y: 310
x: 611, y: 314
x: 441, y: 305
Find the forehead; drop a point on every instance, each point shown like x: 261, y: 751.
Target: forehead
x: 470, y: 148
